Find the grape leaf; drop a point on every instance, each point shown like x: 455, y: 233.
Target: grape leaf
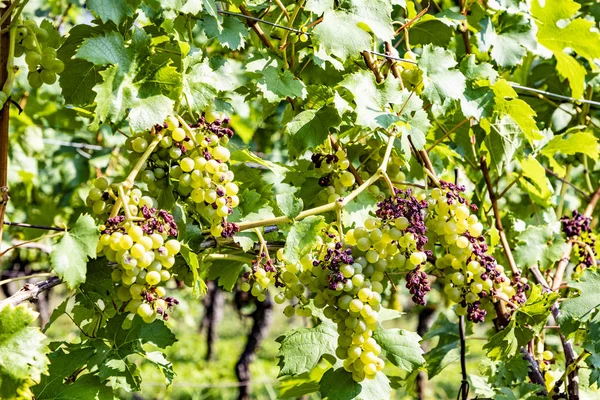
x: 289, y: 205
x: 507, y: 103
x: 70, y: 255
x: 539, y: 244
x: 584, y: 306
x: 510, y: 37
x: 147, y: 111
x: 338, y: 384
x: 199, y: 85
x: 226, y: 272
x: 199, y: 286
x: 342, y: 32
x: 22, y: 352
x: 276, y: 86
x: 301, y: 349
x: 400, y: 347
x: 430, y: 30
x: 302, y: 238
x: 110, y: 10
x: 577, y: 35
x: 231, y: 33
x: 440, y: 80
x: 373, y: 100
x: 535, y: 182
x: 447, y: 350
x: 108, y: 49
x: 309, y: 129
x: 569, y: 144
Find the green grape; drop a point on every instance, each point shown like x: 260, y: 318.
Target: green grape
x: 145, y: 310
x: 139, y: 144
x: 34, y: 79
x: 47, y: 76
x: 32, y: 59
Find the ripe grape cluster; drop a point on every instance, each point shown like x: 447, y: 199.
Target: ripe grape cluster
x: 144, y: 250
x: 579, y: 229
x: 260, y: 276
x: 193, y: 159
x: 472, y: 275
x: 40, y: 57
x: 333, y: 168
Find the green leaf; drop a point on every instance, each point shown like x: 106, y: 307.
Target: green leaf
x: 430, y: 30
x: 359, y: 210
x: 338, y: 385
x: 302, y: 238
x: 199, y: 86
x: 557, y: 35
x: 584, y: 306
x: 231, y: 33
x: 309, y: 129
x: 400, y: 347
x: 504, y: 344
x: 535, y: 182
x: 64, y: 364
x: 508, y: 104
x: 446, y: 352
x: 276, y: 85
x: 509, y: 37
x: 373, y: 101
x: 70, y: 255
x: 106, y: 50
x: 502, y: 141
x: 199, y: 287
x: 301, y: 349
x: 147, y: 112
x: 110, y: 10
x: 289, y: 205
x: 22, y: 352
x: 539, y: 244
x: 569, y: 144
x: 440, y: 80
x: 343, y: 31
x: 226, y: 272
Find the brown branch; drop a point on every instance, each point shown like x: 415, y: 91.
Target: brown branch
x: 534, y: 372
x: 464, y: 30
x: 412, y: 21
x: 573, y: 383
x: 257, y: 29
x: 372, y: 66
x: 30, y: 292
x: 5, y: 112
x: 497, y: 217
x: 583, y: 193
x: 393, y: 65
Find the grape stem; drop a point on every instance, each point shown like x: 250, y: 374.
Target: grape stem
x: 187, y: 129
x: 334, y: 205
x: 497, y: 217
x: 128, y: 183
x: 263, y: 244
x: 587, y: 248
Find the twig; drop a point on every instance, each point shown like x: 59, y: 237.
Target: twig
x: 25, y: 277
x: 555, y: 95
x: 464, y: 30
x: 573, y: 384
x: 498, y: 218
x: 565, y: 181
x: 283, y: 9
x: 372, y: 66
x: 409, y: 23
x: 446, y: 134
x: 262, y: 21
x: 257, y: 29
x: 463, y: 393
x: 534, y: 372
x: 5, y: 78
x: 388, y: 56
x: 30, y: 292
x: 507, y: 188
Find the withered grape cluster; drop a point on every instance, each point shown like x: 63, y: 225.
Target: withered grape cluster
x: 579, y: 229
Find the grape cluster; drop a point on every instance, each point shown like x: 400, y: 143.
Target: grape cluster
x: 262, y: 273
x: 333, y: 168
x: 143, y: 250
x: 40, y: 57
x: 579, y: 228
x: 194, y: 160
x: 472, y: 275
